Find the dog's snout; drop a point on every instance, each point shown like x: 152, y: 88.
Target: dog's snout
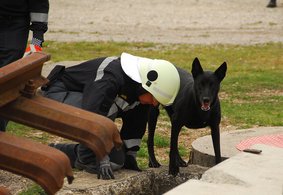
x: 206, y: 99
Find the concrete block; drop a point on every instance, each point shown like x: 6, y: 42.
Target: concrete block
x: 245, y: 174
x: 202, y: 150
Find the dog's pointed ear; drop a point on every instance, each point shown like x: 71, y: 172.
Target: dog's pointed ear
x: 196, y: 68
x: 221, y: 71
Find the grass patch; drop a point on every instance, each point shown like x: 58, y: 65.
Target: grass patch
x: 34, y: 190
x: 256, y: 112
x: 18, y: 129
x: 161, y: 141
x: 28, y: 132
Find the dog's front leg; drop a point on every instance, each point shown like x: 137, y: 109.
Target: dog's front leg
x: 152, y: 121
x: 173, y: 167
x: 215, y: 134
x: 180, y: 161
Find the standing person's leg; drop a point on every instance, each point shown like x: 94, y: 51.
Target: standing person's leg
x: 272, y: 4
x: 13, y: 41
x: 13, y: 38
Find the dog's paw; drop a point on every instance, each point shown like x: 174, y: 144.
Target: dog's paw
x: 218, y: 160
x: 173, y: 170
x: 181, y: 163
x: 153, y: 164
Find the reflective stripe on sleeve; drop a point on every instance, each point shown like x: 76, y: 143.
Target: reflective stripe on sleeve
x: 113, y: 110
x: 124, y: 105
x: 102, y: 66
x: 38, y: 17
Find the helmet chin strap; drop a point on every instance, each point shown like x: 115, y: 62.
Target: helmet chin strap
x: 141, y: 90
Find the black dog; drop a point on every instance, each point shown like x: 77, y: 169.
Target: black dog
x: 196, y: 106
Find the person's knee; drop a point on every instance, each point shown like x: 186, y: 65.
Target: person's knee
x: 117, y: 159
x: 85, y: 155
x: 115, y: 166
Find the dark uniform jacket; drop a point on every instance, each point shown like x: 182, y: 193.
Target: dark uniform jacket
x: 36, y: 10
x: 108, y: 91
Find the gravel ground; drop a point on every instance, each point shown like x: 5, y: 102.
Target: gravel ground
x: 160, y: 21
x: 166, y: 21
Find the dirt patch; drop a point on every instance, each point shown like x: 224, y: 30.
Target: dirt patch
x: 166, y: 21
x: 14, y: 183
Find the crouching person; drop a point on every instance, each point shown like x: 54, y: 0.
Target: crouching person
x: 116, y: 87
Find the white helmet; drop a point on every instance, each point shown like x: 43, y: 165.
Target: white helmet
x: 158, y: 77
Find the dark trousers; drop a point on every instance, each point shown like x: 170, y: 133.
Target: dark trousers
x: 13, y: 40
x: 57, y: 91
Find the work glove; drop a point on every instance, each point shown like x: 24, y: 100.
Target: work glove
x: 32, y: 48
x: 131, y: 163
x: 105, y: 170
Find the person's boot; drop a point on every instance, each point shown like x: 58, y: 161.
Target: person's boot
x: 271, y: 4
x: 69, y: 149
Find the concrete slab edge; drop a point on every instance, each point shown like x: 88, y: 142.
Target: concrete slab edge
x: 243, y: 174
